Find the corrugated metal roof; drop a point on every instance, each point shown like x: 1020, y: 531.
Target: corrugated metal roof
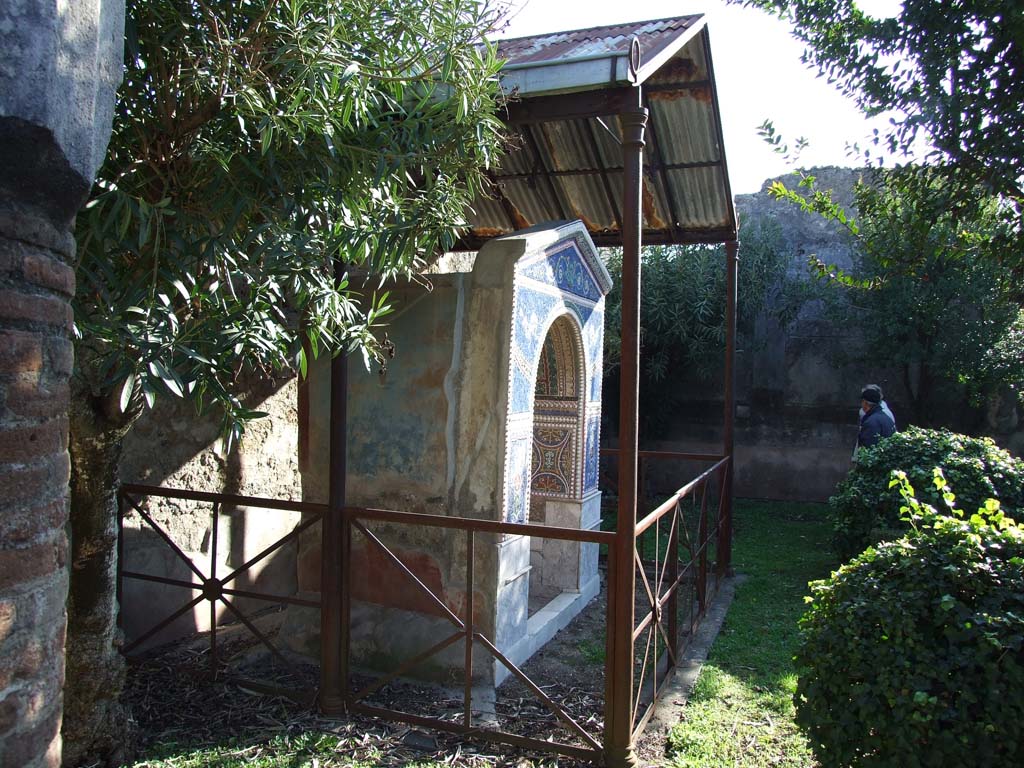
x: 566, y: 161
x: 561, y: 47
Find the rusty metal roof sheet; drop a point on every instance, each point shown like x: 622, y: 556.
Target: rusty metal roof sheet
x: 578, y: 43
x: 565, y: 161
x: 567, y: 53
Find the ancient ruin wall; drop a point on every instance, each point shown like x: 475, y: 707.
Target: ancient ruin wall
x: 796, y: 421
x: 59, y: 67
x: 173, y: 446
x: 796, y: 410
x: 35, y: 362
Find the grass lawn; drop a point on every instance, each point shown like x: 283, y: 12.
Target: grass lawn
x: 281, y: 751
x: 741, y: 711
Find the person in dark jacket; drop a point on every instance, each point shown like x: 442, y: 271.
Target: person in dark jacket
x: 876, y: 423
x: 882, y: 404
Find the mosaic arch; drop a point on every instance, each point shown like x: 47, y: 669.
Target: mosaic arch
x: 560, y: 367
x: 556, y: 469
x: 558, y: 293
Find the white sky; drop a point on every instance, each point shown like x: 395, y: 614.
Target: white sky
x: 757, y: 70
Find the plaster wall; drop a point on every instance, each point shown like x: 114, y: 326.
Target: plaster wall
x: 423, y: 437
x: 767, y: 466
x: 398, y: 432
x: 401, y: 454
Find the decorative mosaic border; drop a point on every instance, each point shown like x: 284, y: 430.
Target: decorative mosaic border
x: 566, y: 279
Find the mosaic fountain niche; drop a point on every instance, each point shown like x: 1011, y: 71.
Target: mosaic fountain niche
x: 553, y: 417
x: 490, y: 410
x: 560, y: 569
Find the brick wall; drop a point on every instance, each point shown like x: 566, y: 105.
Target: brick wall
x: 36, y: 356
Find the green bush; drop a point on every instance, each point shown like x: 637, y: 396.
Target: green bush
x: 911, y: 655
x: 865, y: 511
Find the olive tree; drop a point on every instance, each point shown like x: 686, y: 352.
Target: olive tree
x: 949, y: 74
x: 257, y: 145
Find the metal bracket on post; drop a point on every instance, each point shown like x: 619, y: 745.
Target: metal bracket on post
x: 619, y: 674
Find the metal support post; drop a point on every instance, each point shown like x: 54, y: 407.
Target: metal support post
x: 728, y: 432
x: 619, y: 683
x: 334, y: 549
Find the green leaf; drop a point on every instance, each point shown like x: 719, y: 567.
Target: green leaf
x: 266, y: 137
x: 349, y: 72
x: 177, y: 283
x: 126, y: 391
x: 149, y: 393
x: 241, y: 234
x: 168, y: 376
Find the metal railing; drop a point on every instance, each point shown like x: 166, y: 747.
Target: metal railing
x: 677, y: 549
x: 464, y: 630
x: 213, y: 588
x: 677, y: 584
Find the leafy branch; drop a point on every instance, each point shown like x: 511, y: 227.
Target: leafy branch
x: 256, y: 145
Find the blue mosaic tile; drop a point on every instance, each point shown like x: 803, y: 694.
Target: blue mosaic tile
x: 583, y: 311
x: 581, y: 295
x: 533, y: 314
x: 566, y: 269
x: 522, y: 388
x: 590, y: 461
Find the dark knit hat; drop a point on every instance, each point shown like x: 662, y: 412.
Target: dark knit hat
x: 872, y: 394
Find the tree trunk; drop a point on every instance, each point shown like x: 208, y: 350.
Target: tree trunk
x: 96, y: 729
x: 925, y: 415
x: 914, y: 416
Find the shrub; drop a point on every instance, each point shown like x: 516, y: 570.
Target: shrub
x: 911, y: 655
x: 865, y: 511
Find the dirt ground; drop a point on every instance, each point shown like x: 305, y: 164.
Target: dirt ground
x: 175, y: 701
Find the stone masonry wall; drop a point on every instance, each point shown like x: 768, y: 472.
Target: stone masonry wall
x: 36, y: 284
x: 60, y: 64
x: 796, y: 410
x: 173, y: 446
x: 796, y: 420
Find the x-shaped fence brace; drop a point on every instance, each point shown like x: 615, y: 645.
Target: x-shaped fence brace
x: 212, y: 588
x: 659, y: 595
x: 664, y: 591
x: 466, y: 631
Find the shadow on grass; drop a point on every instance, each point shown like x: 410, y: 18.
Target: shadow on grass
x: 741, y: 711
